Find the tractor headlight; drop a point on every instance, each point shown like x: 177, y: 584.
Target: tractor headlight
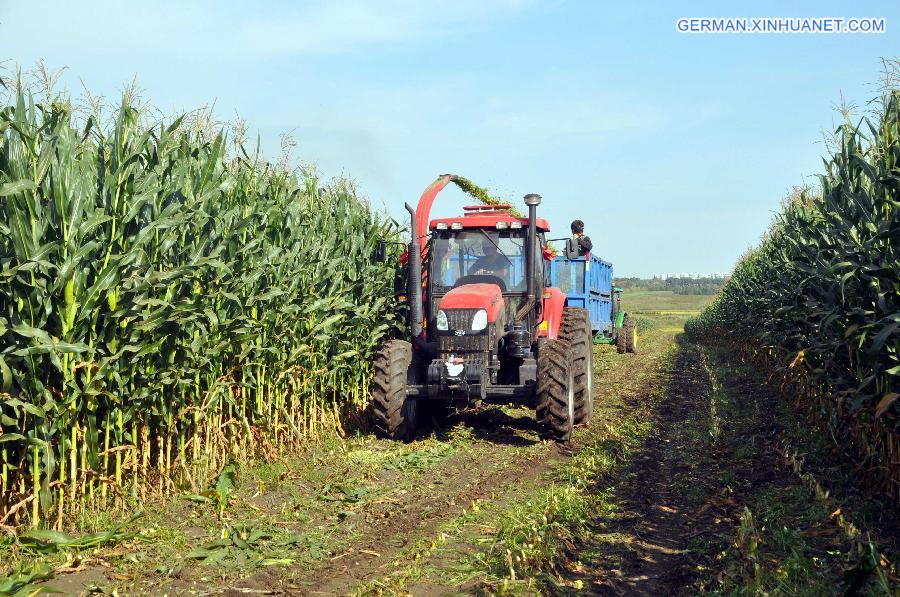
x: 479, y: 321
x: 442, y: 323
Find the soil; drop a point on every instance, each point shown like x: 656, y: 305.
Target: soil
x: 395, y: 524
x: 655, y: 520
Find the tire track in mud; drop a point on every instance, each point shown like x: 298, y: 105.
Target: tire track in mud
x: 643, y: 548
x: 468, y: 482
x: 495, y: 466
x: 394, y: 523
x: 622, y: 375
x: 498, y: 463
x: 686, y: 499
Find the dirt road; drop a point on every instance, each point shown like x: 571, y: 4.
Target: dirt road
x: 658, y: 496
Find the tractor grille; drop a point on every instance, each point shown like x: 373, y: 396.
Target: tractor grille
x: 460, y: 319
x: 464, y: 344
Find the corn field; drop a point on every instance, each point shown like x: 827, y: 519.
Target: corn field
x: 168, y: 302
x: 820, y: 295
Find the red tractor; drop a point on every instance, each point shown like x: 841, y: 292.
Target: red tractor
x: 484, y: 324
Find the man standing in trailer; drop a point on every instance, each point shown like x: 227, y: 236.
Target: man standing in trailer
x: 581, y: 240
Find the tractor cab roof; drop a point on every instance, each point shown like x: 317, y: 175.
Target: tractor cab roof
x: 487, y: 216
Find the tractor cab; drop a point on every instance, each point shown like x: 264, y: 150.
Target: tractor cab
x: 481, y: 257
x: 481, y: 306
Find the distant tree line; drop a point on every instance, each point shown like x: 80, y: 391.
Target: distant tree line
x: 676, y: 285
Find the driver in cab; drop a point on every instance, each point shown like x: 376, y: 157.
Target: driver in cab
x: 493, y: 263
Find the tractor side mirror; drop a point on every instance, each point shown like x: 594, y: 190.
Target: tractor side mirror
x: 381, y: 251
x: 571, y: 249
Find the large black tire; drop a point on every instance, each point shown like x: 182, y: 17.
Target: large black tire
x: 621, y: 343
x: 555, y: 409
x: 630, y: 328
x: 576, y: 331
x: 394, y: 414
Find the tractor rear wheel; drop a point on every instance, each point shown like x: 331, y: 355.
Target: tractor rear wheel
x: 621, y: 343
x: 555, y: 410
x: 630, y: 328
x: 393, y: 412
x: 576, y: 331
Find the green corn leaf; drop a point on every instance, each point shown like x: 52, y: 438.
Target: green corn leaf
x: 12, y: 188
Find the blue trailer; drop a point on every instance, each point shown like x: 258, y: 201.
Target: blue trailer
x: 588, y: 283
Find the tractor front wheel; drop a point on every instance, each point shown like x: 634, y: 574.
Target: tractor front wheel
x: 576, y: 331
x: 393, y: 412
x: 555, y: 410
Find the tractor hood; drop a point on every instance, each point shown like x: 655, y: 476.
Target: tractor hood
x: 475, y: 296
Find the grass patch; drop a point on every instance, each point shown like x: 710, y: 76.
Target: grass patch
x: 533, y: 532
x: 295, y: 511
x: 664, y: 302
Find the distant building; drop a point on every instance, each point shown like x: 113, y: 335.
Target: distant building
x: 691, y: 276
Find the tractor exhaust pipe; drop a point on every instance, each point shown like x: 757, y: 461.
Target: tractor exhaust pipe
x: 532, y: 200
x: 414, y: 283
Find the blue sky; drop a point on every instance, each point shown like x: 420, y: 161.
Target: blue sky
x: 675, y: 149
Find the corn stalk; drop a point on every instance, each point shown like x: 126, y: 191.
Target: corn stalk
x: 820, y: 295
x: 167, y: 304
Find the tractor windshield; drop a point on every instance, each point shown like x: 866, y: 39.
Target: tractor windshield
x: 470, y: 256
